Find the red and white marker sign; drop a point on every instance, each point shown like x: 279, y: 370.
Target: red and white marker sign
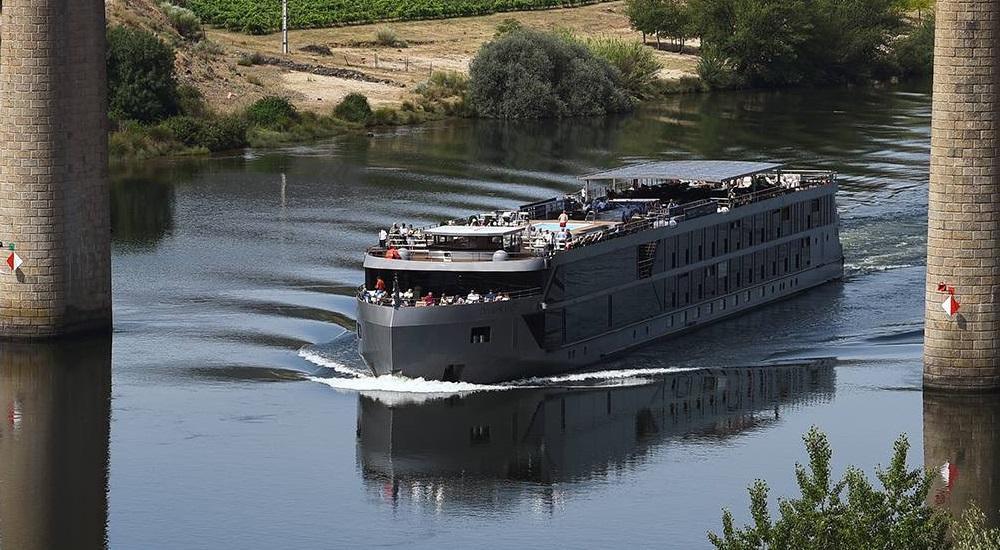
x: 14, y: 261
x: 950, y: 305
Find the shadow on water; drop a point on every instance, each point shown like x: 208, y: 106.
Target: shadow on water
x: 962, y: 438
x: 142, y: 210
x: 472, y: 451
x: 54, y: 437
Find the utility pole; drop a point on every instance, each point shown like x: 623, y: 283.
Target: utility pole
x: 284, y: 26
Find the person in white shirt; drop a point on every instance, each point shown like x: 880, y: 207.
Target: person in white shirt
x: 383, y: 236
x: 473, y: 297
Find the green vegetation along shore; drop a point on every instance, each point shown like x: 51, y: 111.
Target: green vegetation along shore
x: 263, y: 16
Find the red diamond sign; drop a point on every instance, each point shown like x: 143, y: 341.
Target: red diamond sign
x: 14, y: 261
x: 950, y: 306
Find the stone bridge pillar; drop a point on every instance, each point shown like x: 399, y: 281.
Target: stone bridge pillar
x: 963, y: 247
x: 54, y: 193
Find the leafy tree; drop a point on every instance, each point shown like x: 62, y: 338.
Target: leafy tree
x: 971, y: 533
x: 895, y: 517
x: 645, y: 16
x: 141, y: 82
x: 531, y: 74
x: 913, y: 54
x: 675, y: 21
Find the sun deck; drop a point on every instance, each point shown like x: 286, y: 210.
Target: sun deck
x: 611, y: 204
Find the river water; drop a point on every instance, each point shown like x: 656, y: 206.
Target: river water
x: 229, y: 408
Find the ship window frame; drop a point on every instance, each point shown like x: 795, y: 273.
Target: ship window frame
x: 485, y: 334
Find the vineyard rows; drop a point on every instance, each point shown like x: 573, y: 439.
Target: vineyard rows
x: 263, y: 16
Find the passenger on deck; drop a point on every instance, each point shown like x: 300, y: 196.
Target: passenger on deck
x: 383, y: 236
x: 671, y: 205
x: 408, y: 297
x: 490, y: 296
x: 473, y: 297
x: 429, y: 299
x: 392, y: 253
x: 503, y: 297
x: 379, y: 284
x: 563, y: 219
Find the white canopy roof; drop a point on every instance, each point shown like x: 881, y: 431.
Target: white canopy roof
x: 687, y: 170
x: 473, y: 230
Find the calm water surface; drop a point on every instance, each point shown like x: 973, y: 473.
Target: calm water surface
x: 229, y: 409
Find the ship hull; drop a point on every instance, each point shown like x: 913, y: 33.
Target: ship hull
x: 605, y: 299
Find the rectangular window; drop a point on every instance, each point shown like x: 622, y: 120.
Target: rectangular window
x: 481, y: 335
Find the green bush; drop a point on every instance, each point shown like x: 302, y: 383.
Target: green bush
x: 508, y: 26
x: 634, y: 61
x: 184, y: 21
x: 715, y: 71
x: 384, y: 116
x: 213, y: 134
x: 190, y: 101
x: 388, y: 37
x: 823, y: 517
x: 530, y: 74
x: 141, y: 82
x: 250, y: 59
x: 972, y: 533
x: 271, y: 112
x: 443, y: 85
x: 353, y: 108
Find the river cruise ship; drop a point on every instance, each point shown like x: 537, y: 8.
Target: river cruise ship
x: 639, y: 253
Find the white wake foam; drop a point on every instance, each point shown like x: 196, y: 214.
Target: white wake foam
x: 599, y: 375
x: 326, y: 362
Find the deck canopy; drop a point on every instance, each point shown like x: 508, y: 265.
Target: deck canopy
x: 473, y: 230
x: 714, y: 171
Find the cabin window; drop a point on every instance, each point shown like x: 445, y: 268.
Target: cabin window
x: 359, y: 331
x: 700, y: 255
x: 479, y: 434
x: 713, y: 249
x: 481, y: 335
x: 673, y: 259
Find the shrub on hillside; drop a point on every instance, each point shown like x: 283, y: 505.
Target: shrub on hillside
x: 190, y: 101
x: 213, y: 134
x: 141, y: 83
x: 184, y: 21
x: 442, y: 85
x: 271, y: 112
x: 634, y: 61
x: 530, y: 74
x: 388, y: 37
x: 507, y: 26
x: 353, y: 108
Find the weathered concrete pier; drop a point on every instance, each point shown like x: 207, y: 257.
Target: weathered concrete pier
x: 54, y: 193
x: 962, y: 352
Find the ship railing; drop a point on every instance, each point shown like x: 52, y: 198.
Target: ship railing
x: 437, y: 255
x: 394, y: 299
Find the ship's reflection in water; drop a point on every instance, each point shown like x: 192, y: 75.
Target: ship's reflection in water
x: 54, y: 444
x: 485, y: 451
x: 962, y: 442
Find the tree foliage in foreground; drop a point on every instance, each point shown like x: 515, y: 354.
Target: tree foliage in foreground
x: 850, y: 514
x: 531, y: 74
